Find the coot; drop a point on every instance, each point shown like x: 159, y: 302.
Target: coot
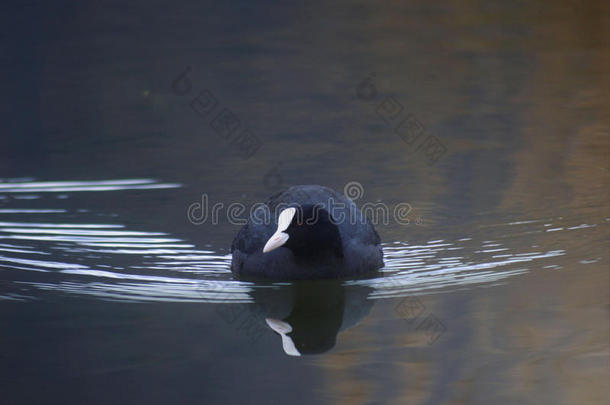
x: 306, y: 232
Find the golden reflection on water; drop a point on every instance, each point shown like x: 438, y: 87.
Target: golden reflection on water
x: 546, y: 337
x: 517, y: 92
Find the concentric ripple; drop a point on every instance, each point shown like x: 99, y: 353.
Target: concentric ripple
x: 79, y: 186
x: 112, y: 262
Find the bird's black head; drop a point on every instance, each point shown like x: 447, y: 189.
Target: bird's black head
x: 308, y: 231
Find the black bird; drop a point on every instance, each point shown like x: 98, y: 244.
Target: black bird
x: 306, y: 232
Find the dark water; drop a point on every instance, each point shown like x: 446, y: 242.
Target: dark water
x: 489, y: 120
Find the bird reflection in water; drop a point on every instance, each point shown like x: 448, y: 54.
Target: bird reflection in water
x: 308, y: 315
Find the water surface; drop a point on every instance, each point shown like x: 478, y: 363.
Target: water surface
x: 497, y: 289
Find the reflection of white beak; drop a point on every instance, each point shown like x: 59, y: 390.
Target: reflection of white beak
x: 282, y: 328
x: 280, y: 237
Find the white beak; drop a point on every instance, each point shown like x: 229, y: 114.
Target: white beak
x: 274, y: 242
x: 280, y: 237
